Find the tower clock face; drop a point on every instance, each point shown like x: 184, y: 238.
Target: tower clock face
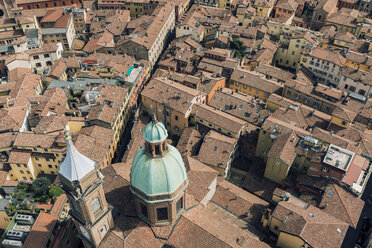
x: 84, y: 232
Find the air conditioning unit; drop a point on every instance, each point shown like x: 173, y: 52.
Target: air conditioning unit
x: 7, y: 243
x: 15, y: 235
x: 24, y: 219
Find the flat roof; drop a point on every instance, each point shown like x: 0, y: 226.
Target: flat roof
x: 80, y: 83
x: 133, y: 74
x: 338, y: 157
x: 4, y: 203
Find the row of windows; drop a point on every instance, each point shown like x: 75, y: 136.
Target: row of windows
x: 47, y: 159
x: 245, y: 87
x: 46, y: 5
x: 49, y: 165
x: 30, y: 178
x: 48, y: 63
x: 302, y: 47
x: 352, y: 89
x: 306, y: 100
x: 295, y: 165
x: 162, y: 213
x: 219, y: 129
x: 285, y: 11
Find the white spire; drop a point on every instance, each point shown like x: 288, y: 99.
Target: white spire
x: 75, y: 166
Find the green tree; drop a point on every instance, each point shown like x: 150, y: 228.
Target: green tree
x: 55, y: 191
x: 40, y: 187
x: 239, y: 47
x: 11, y: 210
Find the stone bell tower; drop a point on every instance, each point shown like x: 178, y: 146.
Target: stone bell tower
x: 82, y: 183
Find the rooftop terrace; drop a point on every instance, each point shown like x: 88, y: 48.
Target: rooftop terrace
x: 338, y: 157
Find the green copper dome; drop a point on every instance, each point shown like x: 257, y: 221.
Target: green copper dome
x: 155, y: 132
x: 158, y: 176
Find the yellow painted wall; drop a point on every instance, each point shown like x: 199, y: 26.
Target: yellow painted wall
x: 47, y: 165
x: 75, y: 125
x: 152, y: 107
x: 15, y: 27
x: 343, y: 28
x: 339, y: 122
x: 249, y: 90
x: 263, y: 11
x: 341, y: 43
x: 286, y: 240
x: 119, y: 126
x: 248, y: 21
x: 355, y: 65
x: 264, y: 144
x: 4, y: 220
x: 273, y: 222
x: 21, y: 172
x: 272, y: 106
x: 292, y: 54
x: 276, y: 198
x: 132, y: 7
x: 323, y: 45
x: 301, y: 162
x: 276, y: 170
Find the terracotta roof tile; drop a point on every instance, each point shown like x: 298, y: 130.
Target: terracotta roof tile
x: 274, y: 72
x: 187, y: 234
x: 51, y: 124
x: 251, y: 79
x: 94, y: 142
x: 57, y: 69
x: 175, y: 95
x: 341, y: 204
x: 40, y: 231
x: 284, y: 147
x: 7, y: 139
x: 238, y: 201
x: 242, y: 106
x: 219, y: 118
x: 313, y: 225
x: 17, y: 56
x: 189, y: 142
x: 217, y: 149
x: 328, y: 55
x: 19, y: 157
x: 12, y: 118
x: 29, y: 139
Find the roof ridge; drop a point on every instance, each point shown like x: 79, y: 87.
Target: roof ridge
x: 337, y: 190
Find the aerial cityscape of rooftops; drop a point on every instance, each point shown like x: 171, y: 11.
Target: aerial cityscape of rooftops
x: 185, y: 123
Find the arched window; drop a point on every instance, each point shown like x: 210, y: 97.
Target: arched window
x: 157, y: 150
x: 96, y: 205
x: 179, y: 205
